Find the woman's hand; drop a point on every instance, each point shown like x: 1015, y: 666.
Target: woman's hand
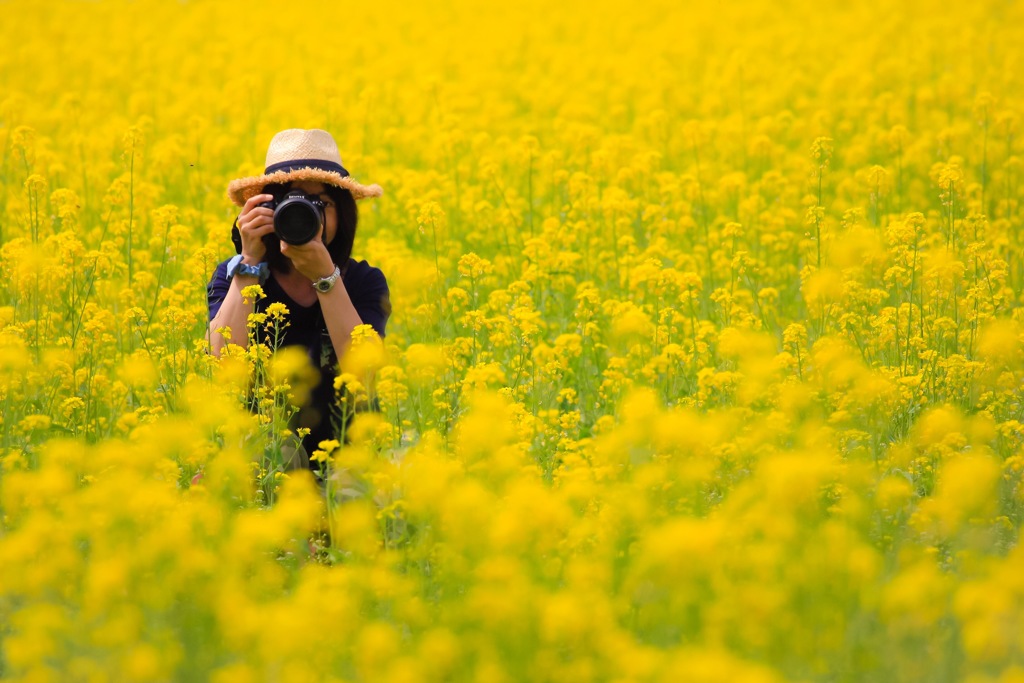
x: 311, y: 259
x: 253, y: 223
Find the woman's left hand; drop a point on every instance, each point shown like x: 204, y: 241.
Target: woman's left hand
x: 311, y: 259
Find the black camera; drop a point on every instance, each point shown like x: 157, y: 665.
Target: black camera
x: 297, y: 216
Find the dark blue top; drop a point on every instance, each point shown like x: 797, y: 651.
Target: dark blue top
x: 367, y: 288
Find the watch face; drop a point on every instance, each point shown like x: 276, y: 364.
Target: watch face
x: 326, y: 284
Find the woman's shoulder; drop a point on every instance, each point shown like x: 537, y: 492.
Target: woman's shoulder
x: 220, y: 272
x: 368, y: 288
x: 362, y: 275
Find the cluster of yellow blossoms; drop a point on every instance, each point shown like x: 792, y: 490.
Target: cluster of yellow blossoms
x: 706, y: 360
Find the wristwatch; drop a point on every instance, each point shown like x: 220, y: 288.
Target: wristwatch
x: 236, y: 267
x: 326, y: 284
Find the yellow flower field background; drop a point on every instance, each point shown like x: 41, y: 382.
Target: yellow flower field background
x: 705, y: 361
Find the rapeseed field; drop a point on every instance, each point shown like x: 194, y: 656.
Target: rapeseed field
x: 705, y: 361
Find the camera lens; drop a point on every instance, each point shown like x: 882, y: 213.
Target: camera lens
x: 297, y: 219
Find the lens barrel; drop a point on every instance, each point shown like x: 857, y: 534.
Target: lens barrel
x: 297, y: 219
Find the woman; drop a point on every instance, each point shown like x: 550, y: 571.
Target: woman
x: 327, y: 293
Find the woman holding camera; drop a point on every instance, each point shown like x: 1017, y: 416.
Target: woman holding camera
x: 294, y: 237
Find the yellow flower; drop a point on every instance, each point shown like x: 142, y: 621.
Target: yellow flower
x: 821, y: 151
x: 366, y: 354
x: 472, y: 266
x: 277, y: 311
x: 252, y: 293
x: 325, y: 451
x: 424, y: 362
x: 291, y: 367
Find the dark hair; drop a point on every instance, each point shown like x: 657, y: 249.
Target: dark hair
x: 340, y: 247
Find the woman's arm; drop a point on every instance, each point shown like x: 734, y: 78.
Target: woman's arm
x: 253, y: 223
x: 340, y: 315
x: 314, y: 261
x: 233, y: 314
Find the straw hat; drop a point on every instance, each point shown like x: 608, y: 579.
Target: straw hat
x: 298, y: 154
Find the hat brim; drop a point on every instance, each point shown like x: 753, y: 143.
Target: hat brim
x: 243, y: 189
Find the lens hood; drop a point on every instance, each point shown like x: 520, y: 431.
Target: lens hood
x: 297, y: 218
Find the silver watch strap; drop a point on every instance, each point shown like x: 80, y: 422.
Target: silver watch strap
x: 325, y: 284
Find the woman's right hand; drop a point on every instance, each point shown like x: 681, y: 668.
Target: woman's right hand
x: 253, y: 223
